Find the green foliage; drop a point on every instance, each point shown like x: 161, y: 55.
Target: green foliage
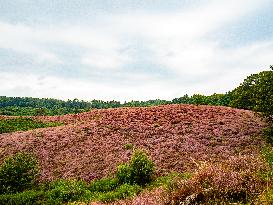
x: 22, y: 106
x: 105, y: 190
x: 124, y: 173
x: 267, y: 154
x: 255, y: 93
x: 268, y: 134
x: 125, y: 190
x: 18, y: 124
x: 142, y: 168
x: 139, y: 171
x: 63, y: 191
x: 269, y: 196
x: 168, y: 180
x: 27, y: 106
x: 24, y: 198
x: 18, y: 173
x: 128, y: 146
x: 104, y: 185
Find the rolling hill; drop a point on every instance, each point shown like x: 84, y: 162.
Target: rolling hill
x: 177, y: 137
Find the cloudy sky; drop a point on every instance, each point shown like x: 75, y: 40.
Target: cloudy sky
x: 131, y: 49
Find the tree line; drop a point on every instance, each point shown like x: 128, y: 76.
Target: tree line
x: 255, y: 93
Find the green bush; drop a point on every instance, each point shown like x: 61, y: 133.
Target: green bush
x: 142, y: 168
x: 63, y: 191
x: 139, y: 171
x: 18, y: 173
x: 128, y: 146
x: 124, y: 174
x: 104, y: 185
x: 268, y: 134
x: 125, y: 190
x: 23, y: 198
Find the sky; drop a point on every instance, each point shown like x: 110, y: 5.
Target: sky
x: 131, y: 49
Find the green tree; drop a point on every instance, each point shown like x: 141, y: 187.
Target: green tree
x: 256, y: 93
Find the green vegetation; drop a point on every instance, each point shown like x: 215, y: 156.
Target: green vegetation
x: 23, y: 198
x: 23, y: 124
x: 139, y: 171
x: 268, y: 134
x: 18, y: 183
x: 27, y: 106
x: 267, y: 154
x: 18, y: 173
x: 62, y: 191
x: 255, y: 93
x: 128, y: 146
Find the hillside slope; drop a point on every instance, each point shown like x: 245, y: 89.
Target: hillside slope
x: 176, y: 137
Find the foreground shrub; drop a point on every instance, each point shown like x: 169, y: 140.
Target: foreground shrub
x: 104, y: 185
x: 122, y: 192
x: 63, y: 191
x: 142, y: 168
x: 124, y: 174
x: 139, y: 171
x: 18, y: 173
x: 23, y: 198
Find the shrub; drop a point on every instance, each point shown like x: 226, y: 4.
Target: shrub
x: 124, y: 174
x: 18, y: 173
x: 142, y: 168
x: 139, y: 171
x: 125, y: 190
x: 23, y: 198
x: 128, y: 146
x: 104, y: 185
x: 63, y: 191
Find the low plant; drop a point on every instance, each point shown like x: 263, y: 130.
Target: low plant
x: 104, y: 185
x: 18, y: 173
x: 128, y: 146
x: 122, y: 192
x: 140, y: 169
x: 268, y: 134
x: 63, y: 191
x: 27, y: 197
x: 267, y: 154
x: 124, y: 173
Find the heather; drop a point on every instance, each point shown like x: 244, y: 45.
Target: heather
x: 91, y: 145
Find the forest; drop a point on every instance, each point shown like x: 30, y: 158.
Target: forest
x: 240, y: 97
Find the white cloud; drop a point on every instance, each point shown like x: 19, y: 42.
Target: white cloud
x: 174, y: 40
x: 105, y: 60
